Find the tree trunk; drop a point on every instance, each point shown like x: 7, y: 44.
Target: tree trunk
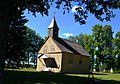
x: 3, y: 34
x: 18, y: 64
x: 23, y: 64
x: 28, y: 60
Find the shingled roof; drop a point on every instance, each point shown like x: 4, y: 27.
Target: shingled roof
x: 70, y: 46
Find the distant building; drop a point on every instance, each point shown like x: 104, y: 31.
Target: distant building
x: 63, y: 56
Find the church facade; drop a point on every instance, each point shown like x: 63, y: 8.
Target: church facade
x: 60, y: 55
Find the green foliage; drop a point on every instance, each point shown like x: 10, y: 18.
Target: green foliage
x: 102, y: 10
x: 33, y: 42
x: 116, y: 52
x: 102, y: 36
x: 21, y: 42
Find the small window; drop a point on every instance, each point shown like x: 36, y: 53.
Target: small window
x: 52, y: 48
x: 45, y: 50
x: 80, y: 61
x: 70, y: 59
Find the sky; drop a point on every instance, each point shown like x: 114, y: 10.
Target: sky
x: 66, y: 23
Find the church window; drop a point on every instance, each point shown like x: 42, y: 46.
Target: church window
x: 45, y: 50
x: 70, y: 59
x: 52, y: 48
x: 80, y: 61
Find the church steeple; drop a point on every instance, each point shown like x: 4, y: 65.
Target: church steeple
x: 53, y: 29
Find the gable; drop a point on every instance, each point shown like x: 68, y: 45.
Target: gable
x: 52, y: 46
x: 49, y: 46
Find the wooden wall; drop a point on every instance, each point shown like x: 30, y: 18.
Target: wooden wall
x: 76, y: 66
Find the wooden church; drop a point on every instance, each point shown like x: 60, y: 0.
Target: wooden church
x: 60, y: 55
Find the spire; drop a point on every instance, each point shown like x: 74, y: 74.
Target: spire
x: 53, y: 29
x: 53, y: 24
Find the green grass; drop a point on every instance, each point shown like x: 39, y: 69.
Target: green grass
x: 30, y: 76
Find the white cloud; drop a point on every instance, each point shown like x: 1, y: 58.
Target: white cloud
x: 74, y: 8
x: 67, y: 34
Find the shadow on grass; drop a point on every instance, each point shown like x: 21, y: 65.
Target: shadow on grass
x: 24, y: 77
x: 110, y: 82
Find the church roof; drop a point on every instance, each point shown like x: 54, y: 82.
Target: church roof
x: 71, y: 47
x: 62, y: 48
x: 77, y: 47
x: 53, y: 24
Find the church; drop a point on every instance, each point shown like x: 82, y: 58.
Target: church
x: 61, y: 56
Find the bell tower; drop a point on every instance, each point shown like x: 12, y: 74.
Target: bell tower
x: 53, y: 29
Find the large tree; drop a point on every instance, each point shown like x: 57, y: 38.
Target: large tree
x: 33, y: 42
x: 22, y: 42
x: 107, y: 37
x: 89, y: 46
x: 98, y: 43
x: 102, y: 37
x: 3, y: 33
x: 116, y: 52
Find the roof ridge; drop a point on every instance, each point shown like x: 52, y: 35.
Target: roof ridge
x: 71, y: 41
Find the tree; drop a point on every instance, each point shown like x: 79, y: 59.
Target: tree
x: 3, y: 33
x: 89, y: 47
x: 78, y: 39
x: 98, y: 45
x: 102, y: 37
x: 116, y: 52
x: 107, y: 46
x: 15, y: 46
x: 33, y: 42
x: 15, y: 31
x: 101, y: 9
x: 22, y: 42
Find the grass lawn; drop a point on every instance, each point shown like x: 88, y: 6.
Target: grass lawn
x: 30, y: 76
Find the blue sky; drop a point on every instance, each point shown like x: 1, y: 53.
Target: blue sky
x: 66, y: 23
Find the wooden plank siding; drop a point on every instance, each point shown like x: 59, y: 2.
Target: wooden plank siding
x: 76, y: 67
